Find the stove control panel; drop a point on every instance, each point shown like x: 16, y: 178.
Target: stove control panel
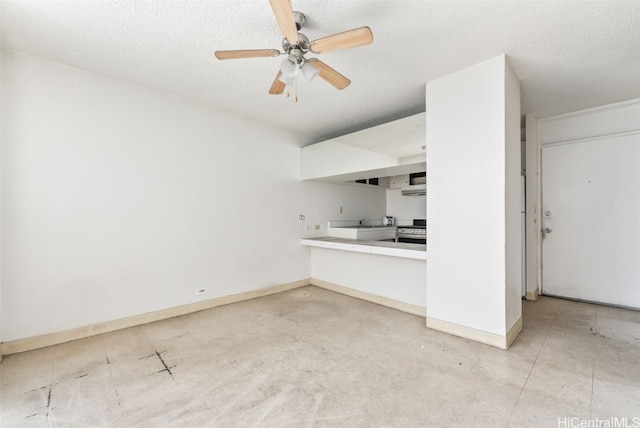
x: 412, y: 231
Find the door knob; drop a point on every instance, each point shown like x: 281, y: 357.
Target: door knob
x: 547, y: 230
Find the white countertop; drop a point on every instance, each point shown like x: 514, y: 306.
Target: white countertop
x: 385, y: 248
x: 360, y: 232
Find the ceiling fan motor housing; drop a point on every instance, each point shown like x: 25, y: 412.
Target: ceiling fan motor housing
x: 303, y: 44
x: 299, y: 19
x: 300, y: 48
x: 295, y: 55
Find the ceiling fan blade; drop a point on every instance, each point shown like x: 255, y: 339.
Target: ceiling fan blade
x: 278, y: 86
x: 249, y: 53
x: 329, y: 74
x: 284, y: 15
x: 349, y: 39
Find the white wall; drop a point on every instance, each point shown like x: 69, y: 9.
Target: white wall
x: 405, y: 208
x: 322, y: 202
x: 119, y: 200
x: 601, y: 121
x: 1, y: 134
x: 470, y: 210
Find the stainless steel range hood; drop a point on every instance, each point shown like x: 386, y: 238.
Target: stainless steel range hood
x: 416, y: 190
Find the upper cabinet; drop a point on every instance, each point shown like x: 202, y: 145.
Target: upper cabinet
x: 390, y: 149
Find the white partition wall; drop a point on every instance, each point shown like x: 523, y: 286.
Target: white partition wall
x: 473, y: 203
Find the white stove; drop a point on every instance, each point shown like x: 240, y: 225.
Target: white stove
x: 416, y: 233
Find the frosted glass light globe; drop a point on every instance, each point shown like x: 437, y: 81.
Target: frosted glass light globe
x: 288, y: 68
x: 309, y: 72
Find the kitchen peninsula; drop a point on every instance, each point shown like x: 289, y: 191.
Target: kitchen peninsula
x: 364, y: 262
x: 391, y: 274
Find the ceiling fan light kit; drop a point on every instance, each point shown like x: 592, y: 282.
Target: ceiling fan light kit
x: 288, y: 68
x: 295, y: 45
x: 309, y: 71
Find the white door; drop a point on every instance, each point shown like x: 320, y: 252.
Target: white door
x: 591, y: 220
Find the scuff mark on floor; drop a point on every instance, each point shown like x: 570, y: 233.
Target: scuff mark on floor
x: 597, y: 333
x: 37, y: 389
x: 166, y: 367
x: 118, y: 398
x: 49, y: 400
x: 84, y: 375
x: 30, y: 416
x: 115, y: 389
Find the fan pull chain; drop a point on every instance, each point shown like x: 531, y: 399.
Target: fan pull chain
x: 292, y: 87
x: 293, y: 82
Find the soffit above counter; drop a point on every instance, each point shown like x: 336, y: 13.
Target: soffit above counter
x: 393, y: 148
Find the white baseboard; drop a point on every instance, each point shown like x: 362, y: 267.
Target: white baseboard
x: 533, y: 295
x: 499, y: 341
x: 30, y: 343
x: 514, y: 332
x: 373, y: 298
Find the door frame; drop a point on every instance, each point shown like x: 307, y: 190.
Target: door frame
x: 604, y: 121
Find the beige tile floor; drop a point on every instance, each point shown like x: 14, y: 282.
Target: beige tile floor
x: 312, y: 358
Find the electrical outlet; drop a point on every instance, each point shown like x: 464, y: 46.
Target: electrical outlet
x: 301, y: 218
x: 317, y: 227
x: 201, y: 290
x: 340, y: 210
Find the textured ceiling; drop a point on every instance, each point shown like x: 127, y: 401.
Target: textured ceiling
x: 569, y: 55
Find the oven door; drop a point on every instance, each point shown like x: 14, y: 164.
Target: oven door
x: 422, y: 241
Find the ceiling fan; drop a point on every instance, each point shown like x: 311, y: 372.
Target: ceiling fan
x: 296, y: 45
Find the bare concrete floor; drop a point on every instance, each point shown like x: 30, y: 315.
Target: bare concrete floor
x: 311, y: 357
